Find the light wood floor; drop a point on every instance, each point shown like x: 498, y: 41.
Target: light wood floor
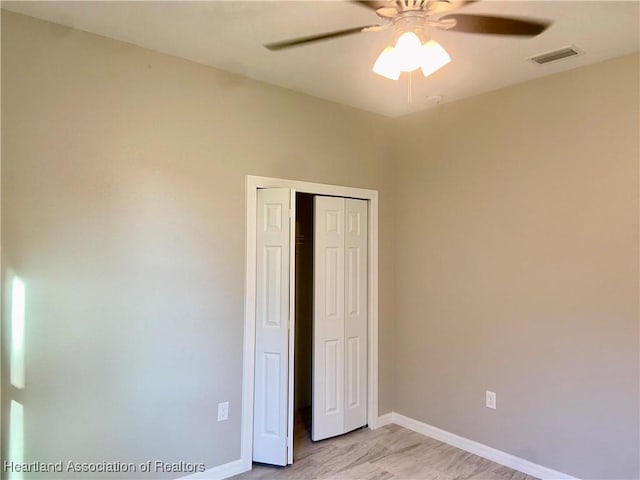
x: 390, y: 452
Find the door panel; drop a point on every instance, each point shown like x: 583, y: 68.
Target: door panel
x: 328, y: 328
x: 331, y: 385
x: 272, y: 326
x: 355, y: 330
x: 272, y: 261
x: 353, y: 372
x: 271, y: 366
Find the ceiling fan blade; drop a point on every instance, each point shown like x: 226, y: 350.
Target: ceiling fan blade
x: 441, y: 6
x: 314, y: 38
x: 497, y: 25
x: 378, y: 28
x: 368, y: 4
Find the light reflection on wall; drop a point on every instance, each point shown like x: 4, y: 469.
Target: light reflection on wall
x: 15, y: 449
x: 17, y: 332
x: 16, y: 438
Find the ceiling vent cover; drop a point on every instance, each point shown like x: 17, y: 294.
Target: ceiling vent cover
x: 556, y: 55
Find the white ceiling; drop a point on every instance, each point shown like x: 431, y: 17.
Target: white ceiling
x: 229, y: 35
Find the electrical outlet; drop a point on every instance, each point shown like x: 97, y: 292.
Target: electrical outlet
x: 223, y: 411
x: 491, y: 400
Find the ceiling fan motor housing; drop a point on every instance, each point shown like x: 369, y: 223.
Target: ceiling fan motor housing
x: 408, y: 5
x: 410, y: 21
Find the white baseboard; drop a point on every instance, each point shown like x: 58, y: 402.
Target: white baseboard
x: 498, y: 456
x: 383, y: 420
x: 221, y: 471
x: 503, y: 458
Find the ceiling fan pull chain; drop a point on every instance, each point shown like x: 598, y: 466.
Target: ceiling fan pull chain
x: 409, y: 96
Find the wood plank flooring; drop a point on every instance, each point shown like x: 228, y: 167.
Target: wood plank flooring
x: 390, y: 452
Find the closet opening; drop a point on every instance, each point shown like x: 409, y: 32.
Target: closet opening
x: 303, y: 342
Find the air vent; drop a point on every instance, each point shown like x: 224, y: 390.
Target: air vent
x: 556, y: 55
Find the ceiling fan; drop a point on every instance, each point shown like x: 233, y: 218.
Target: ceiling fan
x: 411, y: 19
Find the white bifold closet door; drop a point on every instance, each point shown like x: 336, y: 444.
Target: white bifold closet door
x: 340, y: 317
x: 273, y: 314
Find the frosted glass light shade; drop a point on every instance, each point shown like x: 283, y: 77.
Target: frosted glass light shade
x: 408, y: 52
x: 434, y: 57
x: 386, y: 64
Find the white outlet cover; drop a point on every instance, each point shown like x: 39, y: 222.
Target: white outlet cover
x: 223, y: 411
x: 491, y: 400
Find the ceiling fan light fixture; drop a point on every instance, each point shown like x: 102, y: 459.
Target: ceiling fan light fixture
x: 410, y: 53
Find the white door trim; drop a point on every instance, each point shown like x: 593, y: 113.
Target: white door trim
x: 253, y: 183
x: 292, y: 323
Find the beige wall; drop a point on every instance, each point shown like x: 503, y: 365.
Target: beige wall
x: 123, y: 182
x: 517, y: 270
x: 508, y: 254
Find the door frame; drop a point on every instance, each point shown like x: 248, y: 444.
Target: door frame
x: 253, y: 183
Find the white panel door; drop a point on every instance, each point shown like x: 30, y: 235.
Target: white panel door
x: 355, y: 330
x: 272, y: 326
x: 328, y: 323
